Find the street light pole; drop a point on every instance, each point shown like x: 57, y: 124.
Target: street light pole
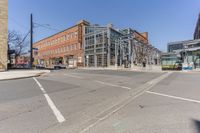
x: 31, y: 41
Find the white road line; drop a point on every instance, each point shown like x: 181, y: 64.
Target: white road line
x: 113, y: 85
x: 125, y: 102
x: 174, y: 97
x: 109, y: 114
x: 41, y: 88
x: 101, y: 82
x: 56, y: 112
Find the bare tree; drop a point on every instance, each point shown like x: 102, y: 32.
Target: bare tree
x: 16, y: 44
x: 142, y: 52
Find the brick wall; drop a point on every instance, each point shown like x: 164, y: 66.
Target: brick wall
x: 61, y: 45
x: 3, y: 33
x: 143, y: 37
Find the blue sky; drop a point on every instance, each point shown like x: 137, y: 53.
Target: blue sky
x: 165, y: 20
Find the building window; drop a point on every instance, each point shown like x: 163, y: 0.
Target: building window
x: 76, y: 34
x: 66, y: 37
x: 69, y: 36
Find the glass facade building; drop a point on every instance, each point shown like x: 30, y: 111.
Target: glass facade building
x: 108, y: 47
x: 189, y: 51
x: 99, y: 46
x: 174, y: 46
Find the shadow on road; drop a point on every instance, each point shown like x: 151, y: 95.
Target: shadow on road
x: 197, y: 125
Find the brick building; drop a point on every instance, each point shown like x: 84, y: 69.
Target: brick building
x: 3, y: 33
x: 197, y: 29
x: 89, y: 45
x: 142, y: 37
x: 63, y: 48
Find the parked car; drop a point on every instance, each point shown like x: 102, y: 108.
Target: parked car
x: 59, y: 66
x: 19, y: 66
x: 40, y: 66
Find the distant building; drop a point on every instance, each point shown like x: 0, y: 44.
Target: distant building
x: 104, y: 46
x: 197, y: 29
x: 189, y: 50
x: 137, y: 48
x: 21, y: 61
x: 172, y: 46
x: 90, y: 45
x: 3, y: 34
x: 64, y: 48
x: 99, y: 45
x: 140, y: 37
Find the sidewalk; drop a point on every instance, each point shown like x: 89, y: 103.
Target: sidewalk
x: 18, y: 74
x: 152, y: 68
x: 135, y: 68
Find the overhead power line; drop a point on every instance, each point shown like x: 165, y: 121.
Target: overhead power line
x: 24, y: 38
x: 17, y: 23
x: 47, y: 26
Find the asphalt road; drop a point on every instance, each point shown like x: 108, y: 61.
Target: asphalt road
x: 101, y: 101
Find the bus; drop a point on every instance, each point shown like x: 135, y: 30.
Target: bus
x: 171, y: 61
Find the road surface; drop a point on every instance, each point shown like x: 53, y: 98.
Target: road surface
x: 101, y: 101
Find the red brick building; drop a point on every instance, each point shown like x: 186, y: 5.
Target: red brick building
x: 142, y: 37
x: 63, y: 48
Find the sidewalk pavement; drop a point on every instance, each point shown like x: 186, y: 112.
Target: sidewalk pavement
x: 135, y: 68
x: 18, y: 74
x: 149, y: 68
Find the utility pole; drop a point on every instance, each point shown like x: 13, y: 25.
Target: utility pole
x: 31, y: 41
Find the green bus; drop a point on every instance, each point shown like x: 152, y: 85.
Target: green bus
x: 171, y: 61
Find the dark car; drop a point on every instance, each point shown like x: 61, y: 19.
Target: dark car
x: 59, y: 66
x: 40, y: 66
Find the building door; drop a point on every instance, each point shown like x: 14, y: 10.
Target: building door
x: 58, y: 61
x: 72, y: 61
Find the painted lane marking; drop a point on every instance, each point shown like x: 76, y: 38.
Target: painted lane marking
x: 100, y: 82
x: 174, y: 97
x: 121, y: 104
x: 113, y: 85
x: 56, y: 112
x: 41, y: 88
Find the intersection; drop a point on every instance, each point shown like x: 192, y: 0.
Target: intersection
x: 108, y: 101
